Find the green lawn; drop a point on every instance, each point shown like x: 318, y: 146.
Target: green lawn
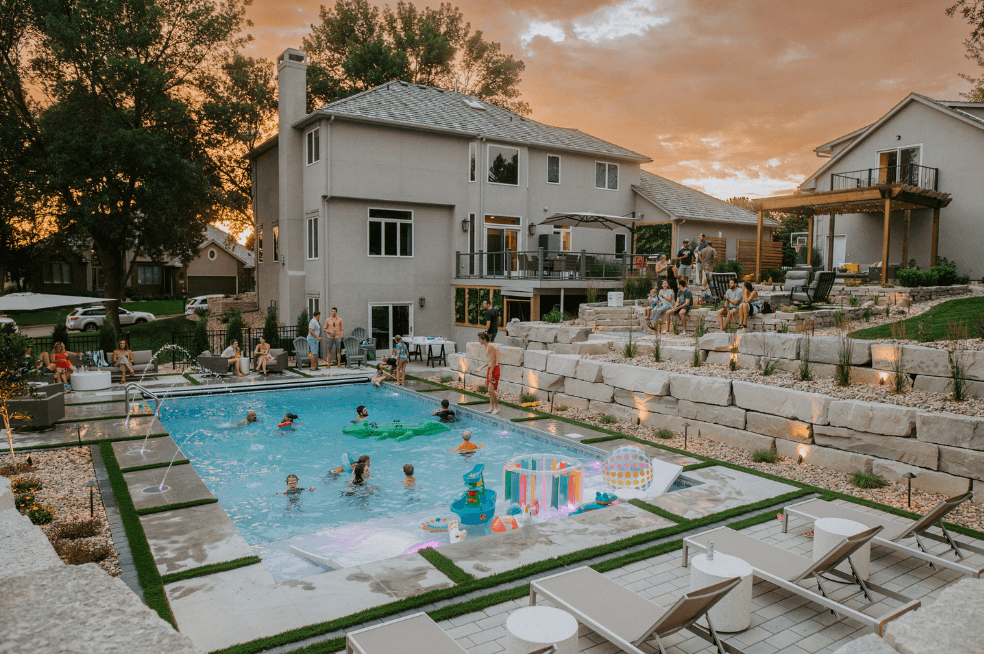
x: 935, y: 321
x: 55, y: 316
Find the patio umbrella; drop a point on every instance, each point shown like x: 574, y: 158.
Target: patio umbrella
x: 596, y: 220
x: 35, y: 301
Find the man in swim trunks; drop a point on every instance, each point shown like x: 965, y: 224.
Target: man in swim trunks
x: 492, y: 376
x: 334, y: 330
x: 314, y: 338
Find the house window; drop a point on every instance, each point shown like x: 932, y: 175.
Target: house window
x: 606, y: 175
x: 553, y: 169
x: 212, y: 254
x: 313, y: 146
x: 899, y: 166
x: 98, y: 278
x: 565, y: 237
x: 503, y: 165
x: 57, y: 272
x: 472, y: 162
x: 620, y: 240
x: 468, y: 311
x: 312, y: 237
x: 314, y: 305
x: 150, y: 274
x: 276, y: 242
x: 259, y: 245
x: 390, y: 233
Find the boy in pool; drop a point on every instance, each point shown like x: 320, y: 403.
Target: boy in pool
x: 409, y: 480
x: 292, y: 488
x: 467, y: 446
x: 361, y: 413
x: 445, y: 413
x: 250, y: 417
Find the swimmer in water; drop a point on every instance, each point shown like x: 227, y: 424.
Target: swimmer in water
x: 292, y: 488
x: 409, y: 480
x: 361, y: 413
x: 445, y: 413
x: 250, y: 417
x: 467, y: 446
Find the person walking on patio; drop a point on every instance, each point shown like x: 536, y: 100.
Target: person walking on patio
x: 334, y: 330
x: 314, y: 338
x: 492, y: 376
x: 491, y: 320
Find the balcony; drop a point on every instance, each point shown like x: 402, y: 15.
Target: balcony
x: 908, y: 174
x: 544, y: 265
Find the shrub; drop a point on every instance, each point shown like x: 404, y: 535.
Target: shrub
x: 302, y: 323
x: 528, y: 397
x: 696, y: 361
x: 40, y: 514
x: 765, y: 456
x: 446, y: 378
x: 561, y: 408
x: 235, y: 329
x: 868, y: 480
x: 107, y: 337
x: 555, y: 316
x: 664, y: 434
x: 958, y: 376
x: 199, y: 340
x: 842, y: 373
x: 23, y: 501
x: 701, y: 327
x: 630, y: 349
x: 805, y: 365
x: 25, y: 484
x: 131, y: 292
x: 483, y: 389
x: 60, y: 334
x: 853, y: 301
x: 76, y: 528
x: 866, y: 314
x: 658, y: 346
x: 81, y: 552
x: 591, y: 294
x: 608, y: 420
x: 271, y: 329
x: 728, y: 267
x: 942, y: 275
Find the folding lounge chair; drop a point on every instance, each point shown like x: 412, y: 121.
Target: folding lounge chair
x: 624, y: 618
x: 786, y: 569
x: 414, y: 634
x: 894, y: 532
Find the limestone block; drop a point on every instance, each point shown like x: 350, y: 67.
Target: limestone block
x: 511, y: 374
x: 709, y: 390
x: 510, y: 356
x: 533, y: 345
x: 470, y: 365
x: 729, y: 416
x: 573, y: 334
x: 561, y: 348
x: 564, y: 365
x: 869, y: 376
x: 973, y: 362
x: 776, y: 427
x: 476, y: 350
x: 571, y: 402
x: 636, y: 378
x: 717, y: 342
x: 870, y: 644
x: 590, y: 370
x: 965, y: 463
x: 644, y: 350
x: 824, y: 457
x: 817, y: 369
x: 745, y: 361
x: 739, y: 438
x: 636, y: 400
x: 454, y: 361
x: 543, y: 396
x: 825, y: 349
x: 589, y: 391
x: 543, y: 381
x: 657, y: 421
x: 907, y: 450
x: 773, y: 345
x: 916, y: 359
x: 511, y: 341
x: 510, y: 387
x: 518, y: 329
x: 542, y: 334
x: 949, y: 625
x: 926, y: 480
x: 679, y: 353
x: 591, y: 347
x: 619, y: 411
x: 785, y: 402
x: 474, y: 380
x: 873, y: 417
x: 950, y: 429
x: 536, y: 359
x: 23, y: 546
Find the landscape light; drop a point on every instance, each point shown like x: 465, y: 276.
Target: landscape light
x: 78, y: 432
x: 685, y: 426
x: 908, y: 482
x: 802, y: 450
x: 90, y: 485
x: 882, y: 378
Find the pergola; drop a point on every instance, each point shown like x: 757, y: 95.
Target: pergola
x: 870, y: 199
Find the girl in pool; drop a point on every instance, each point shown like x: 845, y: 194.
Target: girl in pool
x: 292, y: 488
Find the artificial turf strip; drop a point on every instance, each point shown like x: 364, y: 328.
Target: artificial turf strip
x: 143, y: 558
x: 635, y: 557
x: 672, y: 517
x: 151, y: 466
x: 93, y: 419
x: 446, y: 566
x: 699, y: 466
x: 298, y: 372
x: 471, y: 403
x: 193, y: 381
x: 210, y: 569
x: 174, y: 507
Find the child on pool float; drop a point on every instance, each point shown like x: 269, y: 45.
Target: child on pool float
x: 292, y: 488
x: 288, y: 420
x: 364, y: 460
x: 467, y: 446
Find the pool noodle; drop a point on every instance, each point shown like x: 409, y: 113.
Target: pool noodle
x: 508, y: 484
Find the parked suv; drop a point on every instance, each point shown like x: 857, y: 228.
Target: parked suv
x: 199, y: 302
x: 89, y: 319
x: 4, y: 320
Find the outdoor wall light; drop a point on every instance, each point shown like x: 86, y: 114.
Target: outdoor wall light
x: 532, y: 229
x: 464, y: 225
x: 882, y: 378
x: 421, y: 300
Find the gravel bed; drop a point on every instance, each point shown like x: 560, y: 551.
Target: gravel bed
x: 63, y: 474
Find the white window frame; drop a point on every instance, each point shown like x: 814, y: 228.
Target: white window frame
x: 312, y: 235
x: 488, y: 163
x: 390, y: 305
x: 413, y: 234
x: 617, y: 172
x: 312, y: 146
x: 559, y: 168
x: 313, y: 305
x: 570, y: 237
x: 472, y: 159
x: 898, y: 157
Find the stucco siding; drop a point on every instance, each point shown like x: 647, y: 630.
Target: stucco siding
x: 266, y: 190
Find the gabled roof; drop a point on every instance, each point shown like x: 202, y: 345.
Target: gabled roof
x: 950, y: 108
x: 416, y: 106
x: 681, y: 201
x: 825, y: 149
x: 214, y: 235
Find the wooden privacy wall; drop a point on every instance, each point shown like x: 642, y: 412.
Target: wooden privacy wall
x: 720, y: 246
x: 771, y: 255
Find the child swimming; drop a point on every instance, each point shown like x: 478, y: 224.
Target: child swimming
x: 445, y: 413
x: 292, y: 488
x: 467, y: 446
x: 409, y: 480
x: 288, y: 420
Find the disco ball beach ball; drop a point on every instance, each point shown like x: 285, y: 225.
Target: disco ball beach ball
x: 627, y: 467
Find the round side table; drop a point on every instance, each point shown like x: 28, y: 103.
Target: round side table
x: 91, y: 380
x: 827, y: 532
x: 734, y: 612
x: 535, y: 627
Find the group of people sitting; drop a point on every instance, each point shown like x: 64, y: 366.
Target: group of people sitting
x: 59, y: 364
x: 240, y: 364
x: 739, y: 304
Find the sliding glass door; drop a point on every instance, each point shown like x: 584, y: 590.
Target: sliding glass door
x: 388, y: 320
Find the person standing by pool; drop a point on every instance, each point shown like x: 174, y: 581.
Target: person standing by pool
x: 492, y: 376
x: 314, y: 338
x: 402, y: 359
x: 334, y: 331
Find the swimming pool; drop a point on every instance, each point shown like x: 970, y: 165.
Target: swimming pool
x: 246, y: 466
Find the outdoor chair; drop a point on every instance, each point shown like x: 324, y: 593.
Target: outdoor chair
x: 624, y: 618
x: 414, y: 634
x: 42, y: 411
x: 359, y: 334
x: 214, y: 362
x: 533, y: 265
x: 816, y: 292
x: 796, y: 277
x: 718, y: 283
x: 301, y: 349
x: 352, y: 352
x: 279, y: 363
x: 894, y: 533
x: 787, y: 569
x: 143, y: 364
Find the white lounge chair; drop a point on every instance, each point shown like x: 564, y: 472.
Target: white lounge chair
x: 895, y: 532
x: 414, y: 634
x: 626, y: 619
x: 787, y: 569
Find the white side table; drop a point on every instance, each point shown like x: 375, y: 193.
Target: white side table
x: 535, y: 627
x: 827, y: 532
x: 734, y: 612
x: 91, y: 380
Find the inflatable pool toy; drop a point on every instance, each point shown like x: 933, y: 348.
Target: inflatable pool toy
x: 347, y: 462
x: 316, y: 559
x: 455, y: 533
x: 398, y: 431
x: 627, y: 467
x: 601, y: 501
x: 500, y: 525
x: 544, y: 480
x: 529, y: 405
x: 436, y: 525
x: 476, y: 506
x: 286, y: 424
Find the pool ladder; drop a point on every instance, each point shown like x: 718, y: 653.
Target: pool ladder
x: 143, y: 392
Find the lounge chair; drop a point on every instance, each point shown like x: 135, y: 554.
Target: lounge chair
x: 626, y: 619
x: 414, y: 634
x: 816, y: 292
x: 786, y: 569
x: 894, y: 532
x: 718, y: 283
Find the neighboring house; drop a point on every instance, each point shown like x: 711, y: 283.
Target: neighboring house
x: 221, y: 267
x: 61, y: 272
x: 924, y: 158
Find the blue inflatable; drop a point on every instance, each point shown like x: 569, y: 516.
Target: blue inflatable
x: 601, y: 501
x: 347, y: 462
x: 476, y: 506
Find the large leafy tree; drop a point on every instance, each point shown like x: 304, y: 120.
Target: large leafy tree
x: 118, y: 112
x: 973, y: 12
x: 358, y: 46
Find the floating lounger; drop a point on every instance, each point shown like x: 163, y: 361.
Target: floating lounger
x: 323, y: 561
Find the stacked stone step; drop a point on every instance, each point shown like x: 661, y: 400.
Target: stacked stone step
x: 617, y: 319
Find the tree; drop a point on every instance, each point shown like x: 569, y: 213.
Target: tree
x: 110, y: 107
x: 356, y: 47
x: 654, y: 239
x: 234, y: 330
x: 199, y: 339
x: 14, y: 378
x: 108, y: 338
x: 973, y: 12
x: 302, y: 324
x: 271, y: 329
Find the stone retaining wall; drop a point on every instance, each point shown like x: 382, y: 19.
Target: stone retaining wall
x: 944, y: 450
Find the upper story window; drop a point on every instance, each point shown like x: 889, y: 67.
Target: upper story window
x: 620, y: 240
x: 314, y: 146
x: 276, y: 242
x: 606, y: 175
x: 312, y: 237
x: 390, y: 233
x: 553, y: 169
x: 473, y: 162
x: 900, y: 165
x: 57, y: 272
x: 503, y: 165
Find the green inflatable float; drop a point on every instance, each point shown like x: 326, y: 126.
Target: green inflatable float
x: 398, y: 431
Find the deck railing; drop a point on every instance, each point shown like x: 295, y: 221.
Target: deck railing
x: 544, y: 264
x: 911, y: 174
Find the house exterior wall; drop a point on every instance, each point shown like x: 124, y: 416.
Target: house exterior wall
x: 266, y: 192
x: 80, y: 278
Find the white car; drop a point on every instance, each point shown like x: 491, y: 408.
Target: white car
x: 199, y: 302
x: 89, y: 319
x: 4, y: 320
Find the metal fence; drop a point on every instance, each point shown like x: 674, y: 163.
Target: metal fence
x: 911, y: 174
x: 76, y: 342
x: 251, y: 336
x: 544, y: 264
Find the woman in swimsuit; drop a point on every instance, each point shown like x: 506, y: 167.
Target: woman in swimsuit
x: 63, y: 367
x: 262, y: 354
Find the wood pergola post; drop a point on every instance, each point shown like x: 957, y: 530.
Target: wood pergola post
x: 830, y: 244
x: 758, y: 249
x: 809, y: 242
x: 934, y: 247
x: 907, y: 217
x: 885, y: 240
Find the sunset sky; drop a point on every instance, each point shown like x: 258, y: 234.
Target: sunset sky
x: 728, y: 97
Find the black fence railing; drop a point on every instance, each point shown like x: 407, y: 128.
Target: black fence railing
x: 544, y: 264
x: 910, y: 174
x: 217, y: 340
x: 76, y: 342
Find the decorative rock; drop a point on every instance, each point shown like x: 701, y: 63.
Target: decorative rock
x: 776, y: 346
x: 563, y: 364
x: 510, y: 356
x: 571, y: 402
x: 790, y: 430
x: 965, y: 463
x: 708, y: 390
x: 536, y: 359
x: 542, y: 334
x: 636, y: 378
x: 510, y: 341
x: 561, y: 348
x: 590, y: 370
x: 950, y: 429
x: 827, y: 350
x: 573, y: 334
x: 785, y: 402
x: 913, y: 452
x: 950, y: 625
x: 592, y: 347
x: 745, y: 361
x: 636, y: 400
x: 927, y: 480
x: 518, y: 329
x: 543, y: 381
x: 944, y: 386
x: 973, y: 363
x: 729, y: 416
x: 873, y: 417
x: 679, y: 353
x: 916, y: 359
x: 454, y: 361
x: 511, y: 374
x: 589, y: 391
x: 717, y: 342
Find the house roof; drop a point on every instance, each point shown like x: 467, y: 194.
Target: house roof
x: 681, y: 201
x: 225, y: 241
x: 825, y: 149
x: 415, y: 106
